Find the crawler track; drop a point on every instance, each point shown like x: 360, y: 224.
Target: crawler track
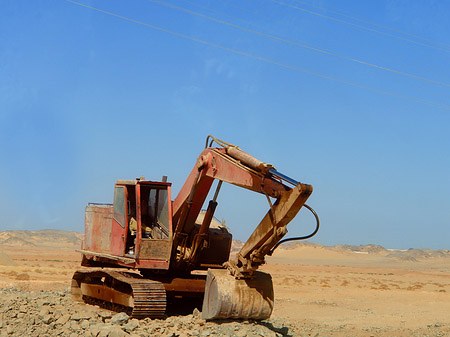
x: 120, y: 291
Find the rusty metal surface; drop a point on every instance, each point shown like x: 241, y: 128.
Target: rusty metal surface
x: 155, y: 249
x: 108, y: 260
x: 145, y: 298
x: 218, y: 165
x: 107, y: 294
x: 97, y: 222
x: 248, y: 159
x: 227, y: 297
x: 184, y: 285
x: 94, y: 255
x: 212, y: 164
x: 218, y: 249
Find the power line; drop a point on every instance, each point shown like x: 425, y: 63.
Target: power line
x: 358, y: 26
x: 371, y: 23
x: 298, y: 44
x: 267, y: 60
x: 295, y: 27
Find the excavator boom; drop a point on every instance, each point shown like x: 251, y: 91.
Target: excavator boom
x: 232, y: 165
x: 240, y: 291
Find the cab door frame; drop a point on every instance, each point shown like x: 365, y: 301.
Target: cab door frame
x: 161, y: 247
x: 119, y: 226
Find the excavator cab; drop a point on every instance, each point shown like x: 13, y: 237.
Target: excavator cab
x: 154, y: 223
x: 140, y: 224
x: 148, y: 215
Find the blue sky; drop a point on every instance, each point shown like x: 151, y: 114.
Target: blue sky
x: 87, y: 98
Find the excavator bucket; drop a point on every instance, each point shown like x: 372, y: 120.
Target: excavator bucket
x: 228, y: 297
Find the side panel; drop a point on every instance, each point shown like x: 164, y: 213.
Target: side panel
x: 97, y: 223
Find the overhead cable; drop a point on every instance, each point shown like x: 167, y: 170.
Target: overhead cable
x: 370, y: 22
x: 358, y: 26
x: 264, y: 59
x: 298, y: 44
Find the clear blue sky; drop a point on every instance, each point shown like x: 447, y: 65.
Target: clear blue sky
x: 88, y: 97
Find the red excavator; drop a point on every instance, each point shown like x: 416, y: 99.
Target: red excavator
x: 145, y: 249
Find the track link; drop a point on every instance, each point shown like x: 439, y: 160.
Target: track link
x: 120, y: 291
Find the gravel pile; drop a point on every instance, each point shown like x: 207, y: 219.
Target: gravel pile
x: 52, y: 313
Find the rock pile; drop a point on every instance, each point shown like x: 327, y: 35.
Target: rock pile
x: 51, y: 313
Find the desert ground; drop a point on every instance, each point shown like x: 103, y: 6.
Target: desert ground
x: 319, y: 290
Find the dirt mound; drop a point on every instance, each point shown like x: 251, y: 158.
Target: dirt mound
x: 5, y: 260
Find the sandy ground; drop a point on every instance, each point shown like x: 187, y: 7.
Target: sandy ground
x: 39, y: 268
x: 357, y: 293
x: 326, y: 292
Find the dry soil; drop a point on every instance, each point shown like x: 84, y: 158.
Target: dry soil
x: 319, y: 291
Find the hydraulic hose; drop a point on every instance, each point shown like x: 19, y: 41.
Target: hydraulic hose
x: 300, y: 237
x: 218, y: 141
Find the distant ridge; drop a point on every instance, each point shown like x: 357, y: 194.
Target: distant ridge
x: 419, y: 254
x: 51, y: 238
x: 411, y: 254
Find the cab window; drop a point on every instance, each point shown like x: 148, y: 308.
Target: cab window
x: 155, y: 210
x: 119, y: 205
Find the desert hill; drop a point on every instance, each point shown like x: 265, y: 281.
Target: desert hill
x: 50, y: 238
x: 309, y: 250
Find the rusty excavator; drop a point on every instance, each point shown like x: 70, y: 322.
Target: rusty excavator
x: 144, y: 250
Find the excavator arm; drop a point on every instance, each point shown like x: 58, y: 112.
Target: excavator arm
x: 240, y: 291
x: 232, y: 165
x: 270, y: 230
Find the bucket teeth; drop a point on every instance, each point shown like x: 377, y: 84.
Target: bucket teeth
x: 227, y: 297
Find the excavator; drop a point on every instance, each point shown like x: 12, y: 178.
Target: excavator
x: 145, y: 250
